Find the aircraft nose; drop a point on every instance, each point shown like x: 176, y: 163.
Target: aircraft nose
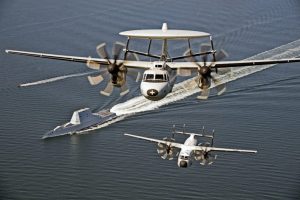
x: 183, y: 164
x: 152, y: 92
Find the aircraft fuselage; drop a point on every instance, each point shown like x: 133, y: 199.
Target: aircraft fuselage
x: 157, y: 81
x: 186, y: 153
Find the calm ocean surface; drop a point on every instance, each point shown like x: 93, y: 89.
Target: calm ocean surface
x: 260, y: 111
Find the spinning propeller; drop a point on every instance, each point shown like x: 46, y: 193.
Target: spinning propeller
x: 115, y: 68
x: 166, y: 151
x: 205, y: 158
x: 205, y: 70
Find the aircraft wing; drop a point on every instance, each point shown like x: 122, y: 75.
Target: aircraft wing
x: 224, y: 64
x: 127, y: 63
x: 242, y: 63
x: 172, y: 144
x: 207, y: 149
x: 147, y: 65
x: 196, y: 148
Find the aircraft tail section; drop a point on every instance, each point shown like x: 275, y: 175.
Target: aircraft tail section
x: 203, y: 134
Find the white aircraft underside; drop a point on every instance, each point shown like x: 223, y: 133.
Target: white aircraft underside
x: 189, y: 150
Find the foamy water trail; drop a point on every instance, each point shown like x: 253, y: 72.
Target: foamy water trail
x: 119, y: 118
x: 188, y: 87
x: 55, y: 79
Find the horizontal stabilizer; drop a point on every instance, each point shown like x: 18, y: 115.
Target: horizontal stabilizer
x: 197, y: 134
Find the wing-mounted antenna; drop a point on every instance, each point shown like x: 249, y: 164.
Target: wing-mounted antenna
x: 173, y: 130
x: 203, y: 134
x: 164, y: 27
x: 213, y: 51
x: 203, y: 129
x: 188, y: 133
x: 212, y: 139
x: 206, y: 157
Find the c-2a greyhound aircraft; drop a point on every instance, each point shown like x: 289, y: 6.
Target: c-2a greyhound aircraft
x: 160, y: 75
x: 189, y: 150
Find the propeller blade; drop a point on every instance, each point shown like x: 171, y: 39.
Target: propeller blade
x: 94, y: 80
x: 188, y: 52
x: 211, y: 158
x: 204, y: 82
x: 200, y: 158
x: 221, y: 89
x: 170, y: 157
x: 101, y: 50
x: 161, y: 145
x: 134, y: 74
x: 117, y: 48
x: 164, y: 156
x: 222, y: 54
x: 203, y: 162
x: 161, y: 151
x: 162, y: 148
x: 204, y: 94
x: 204, y: 59
x: 138, y: 77
x: 108, y: 90
x: 92, y: 64
x: 124, y: 90
x: 205, y: 48
x: 132, y: 56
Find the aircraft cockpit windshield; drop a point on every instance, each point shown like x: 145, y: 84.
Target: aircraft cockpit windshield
x: 155, y: 77
x: 184, y: 157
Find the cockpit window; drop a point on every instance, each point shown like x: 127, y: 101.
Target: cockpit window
x: 184, y: 157
x: 159, y: 77
x: 155, y: 77
x: 149, y: 76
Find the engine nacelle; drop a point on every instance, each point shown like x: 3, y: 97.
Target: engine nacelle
x: 118, y: 78
x: 203, y: 82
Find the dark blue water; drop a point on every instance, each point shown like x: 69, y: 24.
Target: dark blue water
x: 260, y: 111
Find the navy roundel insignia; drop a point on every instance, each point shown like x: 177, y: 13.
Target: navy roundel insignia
x: 152, y: 92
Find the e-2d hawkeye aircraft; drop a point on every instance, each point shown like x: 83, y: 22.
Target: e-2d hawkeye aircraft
x: 189, y: 150
x: 160, y: 75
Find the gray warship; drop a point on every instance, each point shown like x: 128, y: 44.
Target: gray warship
x: 81, y: 120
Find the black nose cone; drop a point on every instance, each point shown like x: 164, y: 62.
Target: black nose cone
x: 183, y: 164
x: 152, y: 92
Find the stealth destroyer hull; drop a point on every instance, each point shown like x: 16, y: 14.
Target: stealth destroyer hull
x: 81, y: 120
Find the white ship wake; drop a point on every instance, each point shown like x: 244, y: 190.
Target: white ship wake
x: 180, y: 90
